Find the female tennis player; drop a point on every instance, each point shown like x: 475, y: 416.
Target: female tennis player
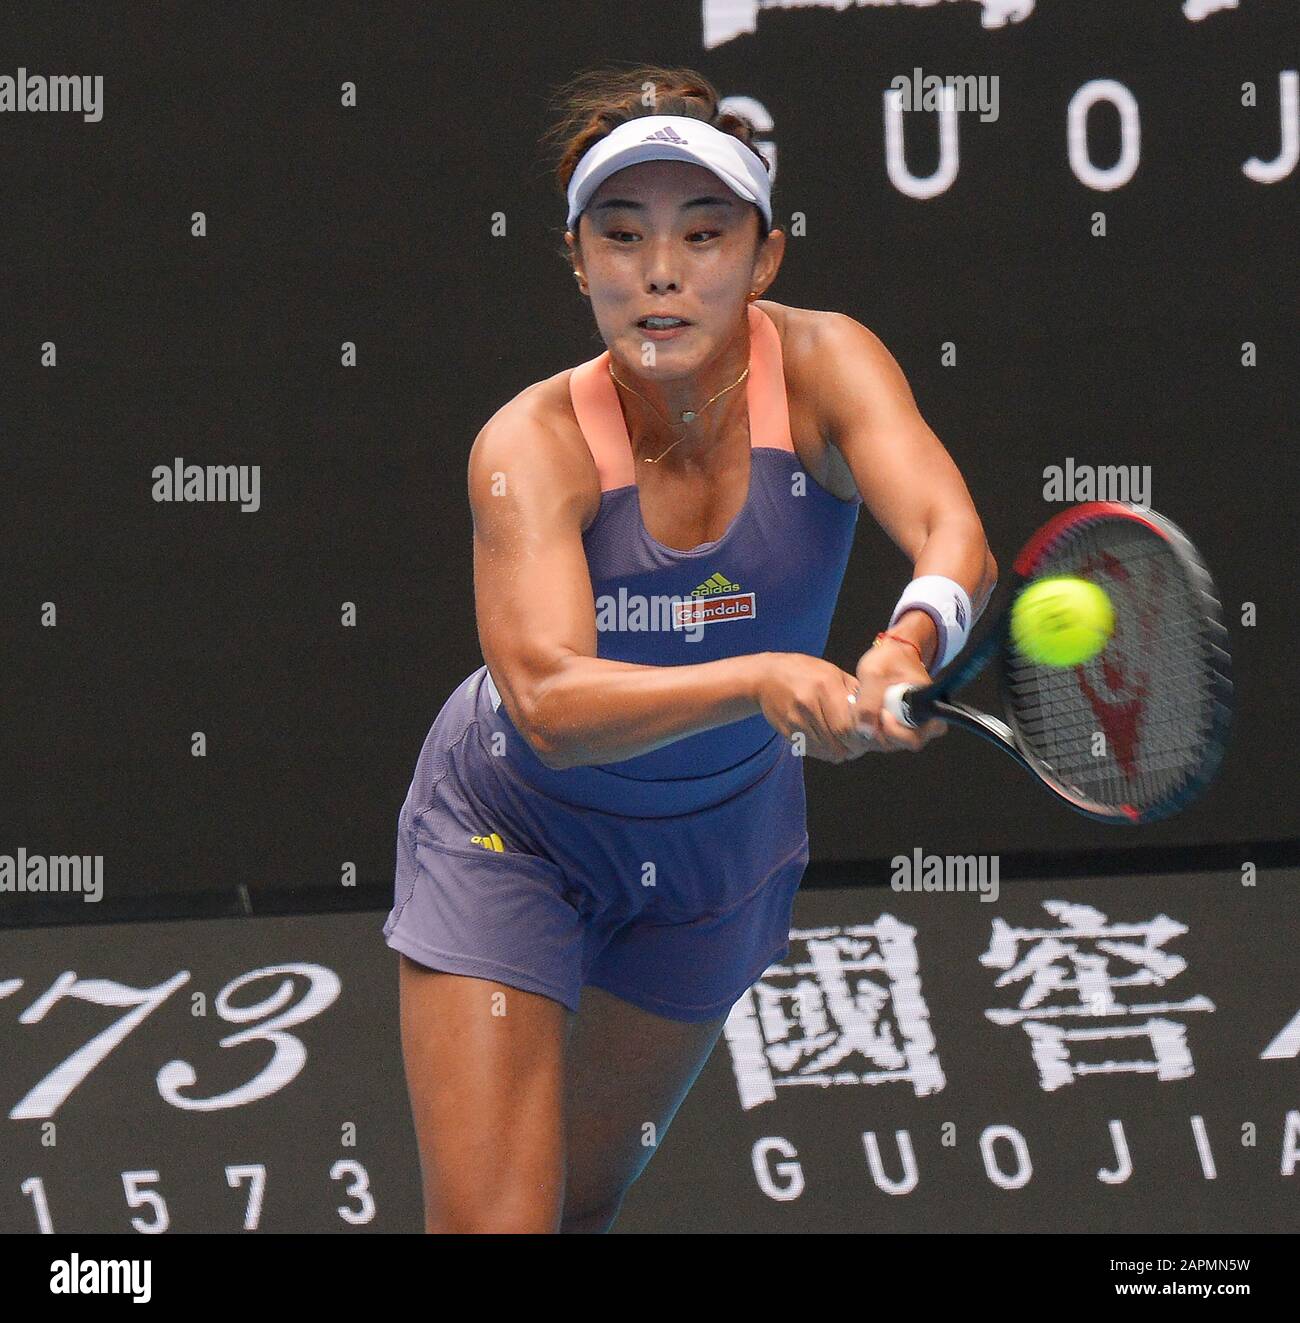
x: 606, y: 827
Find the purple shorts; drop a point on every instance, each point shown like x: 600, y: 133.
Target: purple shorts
x: 677, y: 913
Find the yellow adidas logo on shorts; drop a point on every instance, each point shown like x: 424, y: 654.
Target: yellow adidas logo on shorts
x: 490, y: 842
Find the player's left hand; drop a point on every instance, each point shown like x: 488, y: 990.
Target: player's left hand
x: 891, y: 662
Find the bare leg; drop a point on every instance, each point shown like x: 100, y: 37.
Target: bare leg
x: 628, y: 1072
x: 485, y: 1071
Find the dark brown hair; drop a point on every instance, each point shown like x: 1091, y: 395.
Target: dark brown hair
x: 597, y: 101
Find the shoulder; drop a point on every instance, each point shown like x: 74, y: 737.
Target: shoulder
x: 827, y: 357
x: 818, y: 347
x: 536, y: 438
x: 840, y: 373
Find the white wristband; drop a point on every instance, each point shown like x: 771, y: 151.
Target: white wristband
x: 946, y: 603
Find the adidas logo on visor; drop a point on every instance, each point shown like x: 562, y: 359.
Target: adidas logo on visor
x: 666, y: 134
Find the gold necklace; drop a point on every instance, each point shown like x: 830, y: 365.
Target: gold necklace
x: 688, y: 415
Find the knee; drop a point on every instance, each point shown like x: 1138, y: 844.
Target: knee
x: 591, y: 1221
x: 489, y: 1222
x: 523, y: 1215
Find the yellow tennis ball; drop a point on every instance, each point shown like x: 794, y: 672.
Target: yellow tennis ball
x: 1061, y: 621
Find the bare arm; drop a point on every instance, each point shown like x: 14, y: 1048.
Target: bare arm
x: 537, y: 617
x: 907, y: 479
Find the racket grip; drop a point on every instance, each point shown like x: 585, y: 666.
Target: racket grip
x: 897, y: 698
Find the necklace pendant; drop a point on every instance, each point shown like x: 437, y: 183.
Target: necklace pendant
x: 689, y: 416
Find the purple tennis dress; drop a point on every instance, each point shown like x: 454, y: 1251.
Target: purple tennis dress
x: 667, y: 879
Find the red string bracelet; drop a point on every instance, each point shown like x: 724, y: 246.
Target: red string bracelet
x: 898, y: 638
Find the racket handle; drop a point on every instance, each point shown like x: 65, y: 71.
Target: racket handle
x: 897, y: 698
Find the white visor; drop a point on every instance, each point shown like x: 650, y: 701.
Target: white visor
x: 671, y: 138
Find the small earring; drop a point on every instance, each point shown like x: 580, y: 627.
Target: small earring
x: 751, y: 296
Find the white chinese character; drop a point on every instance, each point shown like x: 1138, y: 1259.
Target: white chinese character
x: 1089, y: 960
x: 845, y: 1007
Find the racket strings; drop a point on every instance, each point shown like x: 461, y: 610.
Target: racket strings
x: 1130, y: 727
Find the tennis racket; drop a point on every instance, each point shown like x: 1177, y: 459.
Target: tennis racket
x: 1138, y: 732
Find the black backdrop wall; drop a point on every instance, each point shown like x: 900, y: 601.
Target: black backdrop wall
x: 328, y: 224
